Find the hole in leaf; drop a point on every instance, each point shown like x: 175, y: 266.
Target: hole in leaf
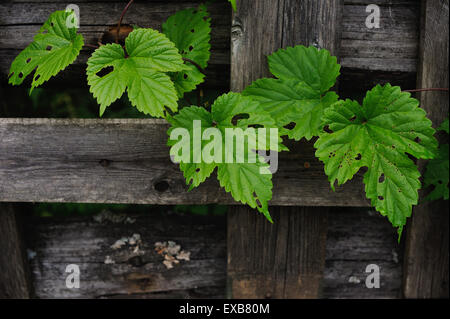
x: 20, y: 75
x: 185, y: 76
x: 161, y: 186
x: 28, y: 60
x: 380, y: 197
x: 37, y: 77
x: 256, y: 126
x: 258, y: 203
x: 417, y: 139
x: 241, y: 116
x: 197, y: 170
x: 358, y: 158
x: 192, y: 31
x: 52, y: 24
x: 191, y: 48
x: 105, y: 71
x: 48, y: 48
x: 327, y: 129
x: 290, y: 126
x: 381, y: 179
x: 440, y: 182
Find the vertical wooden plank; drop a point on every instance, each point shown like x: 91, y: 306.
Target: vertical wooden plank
x: 427, y: 247
x: 14, y: 274
x: 286, y: 259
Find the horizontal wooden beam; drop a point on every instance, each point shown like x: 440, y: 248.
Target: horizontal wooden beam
x: 356, y: 238
x: 391, y: 48
x: 127, y: 161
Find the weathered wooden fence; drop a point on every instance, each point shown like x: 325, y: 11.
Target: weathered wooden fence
x: 312, y: 250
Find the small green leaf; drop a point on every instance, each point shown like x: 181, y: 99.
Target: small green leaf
x: 444, y: 126
x: 290, y: 101
x: 300, y: 94
x: 233, y: 4
x: 437, y: 171
x: 139, y: 70
x: 379, y: 135
x: 249, y: 183
x: 190, y: 31
x: 317, y: 68
x: 54, y: 48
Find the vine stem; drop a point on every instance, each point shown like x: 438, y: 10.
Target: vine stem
x: 427, y: 90
x: 121, y: 18
x: 194, y: 64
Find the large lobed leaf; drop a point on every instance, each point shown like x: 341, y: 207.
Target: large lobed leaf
x: 300, y: 94
x: 379, y: 135
x: 249, y: 183
x: 54, y: 48
x: 190, y: 31
x: 140, y: 69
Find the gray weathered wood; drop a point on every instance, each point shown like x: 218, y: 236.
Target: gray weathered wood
x: 286, y: 259
x: 355, y: 239
x: 281, y: 260
x: 127, y: 161
x: 21, y: 21
x: 56, y: 243
x: 427, y: 251
x: 14, y: 272
x: 393, y: 47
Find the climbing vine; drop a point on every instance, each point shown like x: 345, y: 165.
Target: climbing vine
x: 384, y: 134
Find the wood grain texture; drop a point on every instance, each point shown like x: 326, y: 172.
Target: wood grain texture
x: 21, y: 21
x: 281, y: 260
x: 58, y: 242
x: 356, y: 238
x: 14, y: 275
x: 427, y: 250
x: 393, y: 47
x: 127, y: 161
x: 284, y: 259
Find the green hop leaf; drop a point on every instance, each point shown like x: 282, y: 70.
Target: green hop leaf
x: 379, y: 135
x: 299, y: 96
x: 248, y: 182
x: 444, y: 126
x: 54, y: 48
x: 190, y: 31
x: 317, y: 68
x: 437, y: 171
x: 139, y: 69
